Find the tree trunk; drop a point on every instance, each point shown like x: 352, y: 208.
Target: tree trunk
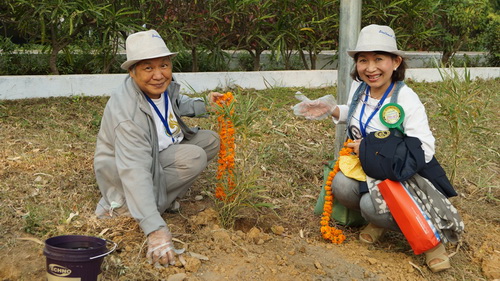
x: 194, y: 58
x: 256, y: 60
x: 109, y: 55
x: 107, y: 65
x: 304, y: 60
x: 53, y: 61
x: 445, y: 58
x: 313, y: 57
x: 54, y: 51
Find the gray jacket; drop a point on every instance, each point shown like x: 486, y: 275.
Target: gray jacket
x: 126, y: 160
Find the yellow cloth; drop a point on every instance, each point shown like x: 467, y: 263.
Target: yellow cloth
x: 351, y: 167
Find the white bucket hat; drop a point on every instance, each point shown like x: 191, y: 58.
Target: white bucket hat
x: 376, y: 38
x: 144, y: 45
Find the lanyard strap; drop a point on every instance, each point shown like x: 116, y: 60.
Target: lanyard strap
x: 165, y: 123
x: 361, y: 127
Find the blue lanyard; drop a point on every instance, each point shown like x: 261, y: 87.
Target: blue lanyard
x: 361, y: 127
x: 165, y: 123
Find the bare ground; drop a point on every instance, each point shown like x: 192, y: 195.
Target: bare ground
x: 46, y: 175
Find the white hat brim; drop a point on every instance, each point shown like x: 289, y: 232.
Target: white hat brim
x: 352, y: 53
x: 126, y: 65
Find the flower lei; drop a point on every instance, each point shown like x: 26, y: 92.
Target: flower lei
x: 329, y: 232
x: 225, y: 170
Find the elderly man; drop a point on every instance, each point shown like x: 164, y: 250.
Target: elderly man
x: 146, y: 156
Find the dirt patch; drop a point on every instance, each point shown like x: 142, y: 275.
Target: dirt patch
x: 255, y: 252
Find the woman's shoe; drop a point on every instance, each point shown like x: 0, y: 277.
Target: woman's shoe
x: 371, y: 234
x: 437, y: 259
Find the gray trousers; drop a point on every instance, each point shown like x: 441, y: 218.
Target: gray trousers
x: 182, y: 163
x: 346, y: 191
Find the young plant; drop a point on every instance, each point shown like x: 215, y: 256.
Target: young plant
x: 235, y: 188
x: 460, y: 103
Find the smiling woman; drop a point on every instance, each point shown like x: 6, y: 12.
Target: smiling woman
x: 376, y: 69
x: 378, y: 82
x: 380, y: 68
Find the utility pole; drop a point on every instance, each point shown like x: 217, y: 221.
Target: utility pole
x: 350, y: 24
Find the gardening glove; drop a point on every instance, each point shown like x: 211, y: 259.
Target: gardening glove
x: 299, y: 108
x: 160, y: 247
x: 314, y: 110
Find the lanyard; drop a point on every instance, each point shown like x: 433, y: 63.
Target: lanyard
x: 361, y: 127
x: 165, y: 123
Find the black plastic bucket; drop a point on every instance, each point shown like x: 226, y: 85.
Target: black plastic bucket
x: 75, y: 257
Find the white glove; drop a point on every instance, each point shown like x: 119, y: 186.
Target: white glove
x: 314, y: 110
x: 160, y: 247
x: 299, y: 108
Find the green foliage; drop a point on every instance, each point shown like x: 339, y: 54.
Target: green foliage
x: 15, y: 60
x: 412, y: 21
x: 247, y: 194
x: 31, y: 59
x: 6, y: 56
x: 464, y: 106
x: 193, y: 26
x: 58, y: 24
x: 249, y: 25
x: 204, y: 29
x: 492, y: 39
x: 104, y: 43
x: 247, y: 113
x: 459, y: 23
x: 37, y: 220
x: 7, y: 46
x: 207, y: 61
x: 55, y: 23
x: 447, y: 25
x: 320, y: 22
x: 302, y: 27
x: 245, y: 62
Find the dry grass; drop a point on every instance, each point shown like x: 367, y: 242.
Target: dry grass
x: 46, y: 174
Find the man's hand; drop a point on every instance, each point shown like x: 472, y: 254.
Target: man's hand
x: 160, y: 247
x: 212, y: 98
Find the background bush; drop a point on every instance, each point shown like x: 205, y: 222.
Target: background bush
x: 84, y: 36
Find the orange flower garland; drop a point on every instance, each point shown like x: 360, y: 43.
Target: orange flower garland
x: 225, y: 170
x: 329, y: 232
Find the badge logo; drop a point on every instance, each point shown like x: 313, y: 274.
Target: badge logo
x: 392, y: 116
x: 382, y: 134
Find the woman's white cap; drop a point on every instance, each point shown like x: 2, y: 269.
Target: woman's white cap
x: 144, y: 45
x: 376, y: 38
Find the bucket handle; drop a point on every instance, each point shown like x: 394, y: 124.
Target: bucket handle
x: 108, y: 252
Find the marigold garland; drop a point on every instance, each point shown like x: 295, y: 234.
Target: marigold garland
x: 225, y: 170
x: 329, y: 232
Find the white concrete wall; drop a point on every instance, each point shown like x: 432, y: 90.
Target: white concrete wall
x: 19, y: 87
